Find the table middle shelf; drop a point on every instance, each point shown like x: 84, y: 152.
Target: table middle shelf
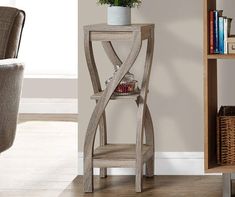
x: 133, y: 96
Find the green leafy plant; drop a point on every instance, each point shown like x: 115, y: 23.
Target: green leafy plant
x: 122, y: 3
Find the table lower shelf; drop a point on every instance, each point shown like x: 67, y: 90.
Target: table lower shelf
x: 119, y: 155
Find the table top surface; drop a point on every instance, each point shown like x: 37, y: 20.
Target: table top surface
x: 105, y: 27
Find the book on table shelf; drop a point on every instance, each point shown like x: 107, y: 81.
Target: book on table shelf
x: 219, y: 31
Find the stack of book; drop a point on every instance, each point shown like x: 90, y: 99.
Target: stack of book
x: 219, y: 32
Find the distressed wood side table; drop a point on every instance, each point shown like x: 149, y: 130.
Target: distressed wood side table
x: 119, y: 155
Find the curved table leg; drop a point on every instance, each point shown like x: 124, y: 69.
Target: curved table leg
x: 147, y: 120
x: 108, y: 48
x: 103, y: 140
x: 149, y: 132
x: 139, y: 145
x: 141, y: 114
x: 102, y: 103
x: 88, y: 169
x: 111, y: 53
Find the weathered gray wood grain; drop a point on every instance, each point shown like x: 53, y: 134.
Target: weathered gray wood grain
x: 104, y: 156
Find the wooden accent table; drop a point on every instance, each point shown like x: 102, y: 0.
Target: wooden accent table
x: 119, y: 155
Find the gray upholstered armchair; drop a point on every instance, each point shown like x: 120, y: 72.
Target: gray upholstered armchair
x: 11, y: 73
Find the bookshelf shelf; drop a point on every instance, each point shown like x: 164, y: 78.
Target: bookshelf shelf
x: 221, y: 56
x: 220, y: 169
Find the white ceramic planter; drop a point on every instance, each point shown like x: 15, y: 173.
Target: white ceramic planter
x: 118, y: 15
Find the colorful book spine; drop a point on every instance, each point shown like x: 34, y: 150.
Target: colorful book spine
x: 211, y: 21
x: 217, y: 14
x: 225, y: 35
x: 221, y: 35
x: 229, y: 26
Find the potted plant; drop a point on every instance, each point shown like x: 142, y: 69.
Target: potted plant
x: 119, y: 11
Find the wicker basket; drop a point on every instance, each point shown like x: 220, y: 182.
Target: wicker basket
x: 226, y: 135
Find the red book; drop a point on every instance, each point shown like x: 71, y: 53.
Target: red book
x: 211, y: 29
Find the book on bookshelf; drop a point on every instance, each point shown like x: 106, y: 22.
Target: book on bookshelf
x: 221, y: 35
x: 231, y: 39
x: 225, y: 35
x: 229, y: 26
x: 211, y: 31
x: 217, y: 14
x: 219, y: 30
x: 231, y: 44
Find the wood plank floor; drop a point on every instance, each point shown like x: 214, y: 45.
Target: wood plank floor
x: 159, y: 186
x: 43, y: 163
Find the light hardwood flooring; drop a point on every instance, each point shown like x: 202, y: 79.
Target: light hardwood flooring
x: 43, y: 163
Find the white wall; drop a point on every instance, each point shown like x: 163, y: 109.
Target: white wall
x: 49, y: 42
x: 49, y: 50
x: 8, y: 2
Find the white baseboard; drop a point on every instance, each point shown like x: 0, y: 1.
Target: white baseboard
x: 166, y: 163
x: 48, y: 105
